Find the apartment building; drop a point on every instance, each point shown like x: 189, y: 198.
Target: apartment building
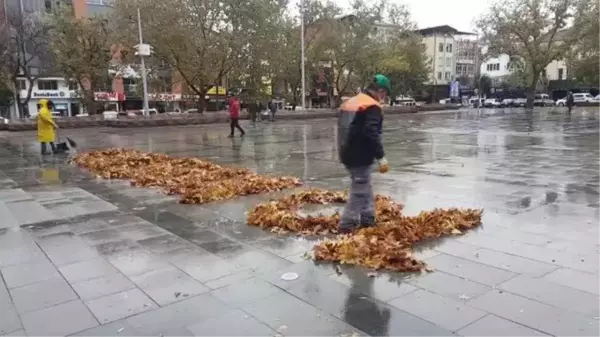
x: 441, y: 47
x: 467, y: 58
x: 498, y: 67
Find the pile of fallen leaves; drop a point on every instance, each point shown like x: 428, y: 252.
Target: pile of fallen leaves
x: 386, y: 246
x: 196, y: 181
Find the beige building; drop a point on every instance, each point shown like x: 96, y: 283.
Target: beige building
x: 441, y: 43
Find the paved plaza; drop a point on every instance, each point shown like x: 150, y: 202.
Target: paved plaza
x: 84, y: 256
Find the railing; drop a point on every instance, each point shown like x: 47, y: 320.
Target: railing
x: 100, y: 2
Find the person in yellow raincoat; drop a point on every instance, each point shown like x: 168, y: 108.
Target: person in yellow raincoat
x: 46, y: 127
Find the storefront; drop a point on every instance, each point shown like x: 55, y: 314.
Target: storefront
x: 65, y: 103
x: 112, y: 101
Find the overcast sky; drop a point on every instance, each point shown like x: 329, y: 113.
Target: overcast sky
x: 459, y: 14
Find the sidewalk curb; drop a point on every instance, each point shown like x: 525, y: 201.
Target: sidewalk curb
x: 196, y: 119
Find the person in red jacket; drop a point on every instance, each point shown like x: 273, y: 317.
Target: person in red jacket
x: 234, y: 115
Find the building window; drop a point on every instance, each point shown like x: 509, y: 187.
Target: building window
x: 439, y: 75
x: 449, y: 47
x: 47, y: 85
x: 470, y: 69
x: 447, y: 76
x: 458, y: 68
x: 21, y: 85
x: 561, y: 72
x: 48, y: 5
x: 441, y: 47
x: 449, y: 62
x: 73, y: 85
x: 493, y: 67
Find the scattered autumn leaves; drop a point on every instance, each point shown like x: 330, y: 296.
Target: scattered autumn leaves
x: 196, y: 181
x: 386, y: 246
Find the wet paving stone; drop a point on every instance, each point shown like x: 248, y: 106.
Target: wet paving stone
x: 168, y: 285
x: 470, y: 270
x: 447, y: 313
x: 383, y: 287
x: 233, y: 323
x: 222, y: 247
x: 490, y: 324
x: 175, y: 317
x: 102, y: 286
x: 449, y: 286
x: 85, y: 270
x: 554, y: 294
x: 136, y: 262
x: 542, y: 317
x: 59, y: 320
x: 120, y: 305
x: 165, y: 243
x: 28, y: 273
x: 248, y: 291
x: 42, y: 294
x: 286, y: 313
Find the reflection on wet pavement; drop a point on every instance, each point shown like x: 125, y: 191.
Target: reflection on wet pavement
x: 90, y: 257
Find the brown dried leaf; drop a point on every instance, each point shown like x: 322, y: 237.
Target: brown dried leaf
x: 195, y: 180
x: 387, y: 246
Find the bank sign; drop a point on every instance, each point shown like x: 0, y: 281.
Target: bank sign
x: 48, y: 94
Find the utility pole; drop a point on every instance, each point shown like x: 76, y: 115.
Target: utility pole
x: 143, y: 50
x: 303, y: 94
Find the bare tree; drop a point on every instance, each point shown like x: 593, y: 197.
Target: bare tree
x: 536, y: 31
x: 84, y: 51
x: 24, y: 53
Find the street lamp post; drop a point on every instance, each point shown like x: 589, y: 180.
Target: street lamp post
x: 143, y: 65
x: 303, y: 93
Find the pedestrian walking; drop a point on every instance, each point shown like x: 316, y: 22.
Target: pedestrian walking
x: 570, y: 101
x: 254, y: 110
x: 234, y: 116
x: 359, y: 145
x: 273, y: 109
x: 46, y: 128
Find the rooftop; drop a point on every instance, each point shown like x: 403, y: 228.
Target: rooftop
x: 444, y: 29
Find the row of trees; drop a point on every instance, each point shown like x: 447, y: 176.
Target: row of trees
x: 255, y: 43
x: 536, y: 32
x: 199, y: 44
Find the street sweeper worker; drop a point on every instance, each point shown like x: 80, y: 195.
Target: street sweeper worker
x: 46, y: 127
x: 359, y: 146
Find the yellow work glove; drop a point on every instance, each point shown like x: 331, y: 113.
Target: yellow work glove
x: 383, y: 165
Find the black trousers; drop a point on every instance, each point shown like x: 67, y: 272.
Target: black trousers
x: 235, y: 124
x: 51, y: 146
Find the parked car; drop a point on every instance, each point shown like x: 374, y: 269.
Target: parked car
x: 491, y: 103
x: 520, y: 102
x: 542, y: 100
x: 133, y: 113
x: 577, y: 98
x: 507, y: 102
x: 406, y: 101
x: 597, y: 98
x: 110, y: 114
x: 473, y: 101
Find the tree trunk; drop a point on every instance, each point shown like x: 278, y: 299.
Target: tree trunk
x: 90, y: 106
x: 531, y: 90
x: 201, y: 104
